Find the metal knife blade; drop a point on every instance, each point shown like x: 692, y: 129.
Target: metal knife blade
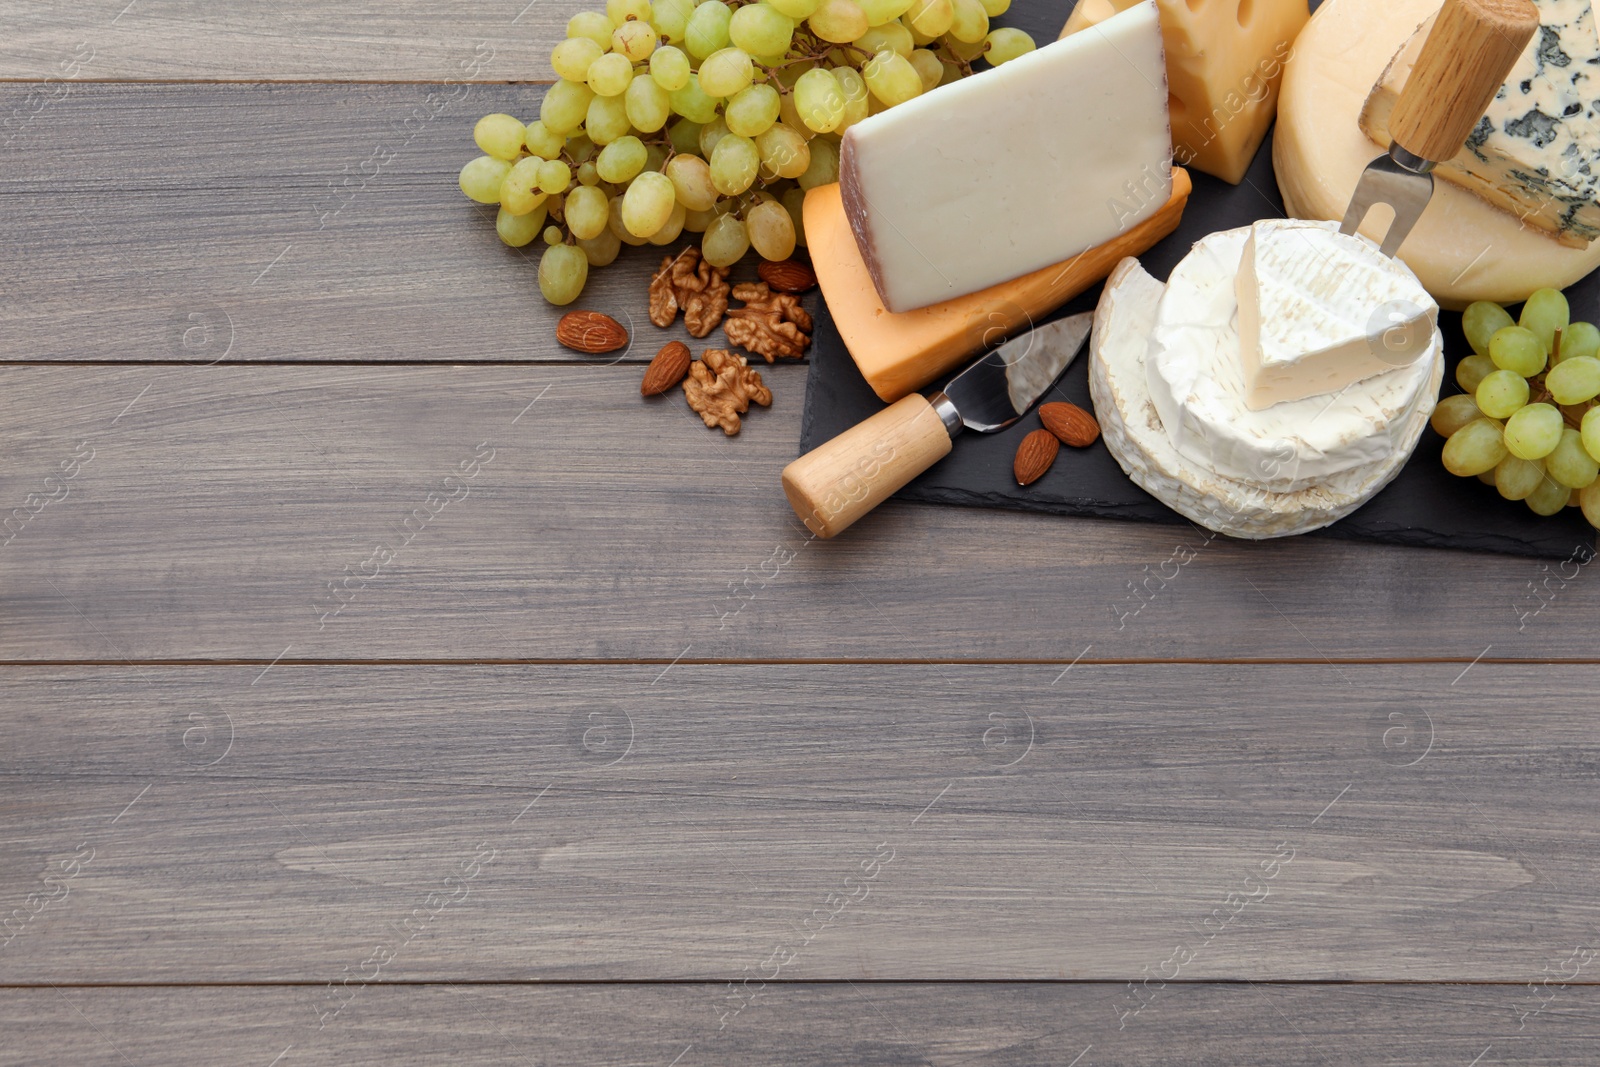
x: 1000, y: 388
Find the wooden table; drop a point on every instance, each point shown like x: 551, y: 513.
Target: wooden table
x: 603, y: 761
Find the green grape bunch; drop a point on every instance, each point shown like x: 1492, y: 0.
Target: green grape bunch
x: 711, y: 117
x: 1528, y: 422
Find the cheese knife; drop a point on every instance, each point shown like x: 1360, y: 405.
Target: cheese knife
x: 1470, y: 50
x: 836, y: 483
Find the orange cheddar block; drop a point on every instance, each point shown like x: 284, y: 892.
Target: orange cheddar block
x: 900, y: 353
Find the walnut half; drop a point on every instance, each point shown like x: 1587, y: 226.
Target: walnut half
x: 772, y: 325
x: 721, y: 386
x: 688, y: 282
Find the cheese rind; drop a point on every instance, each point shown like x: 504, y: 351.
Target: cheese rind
x: 992, y: 177
x: 1135, y: 436
x: 900, y: 353
x: 1461, y: 249
x: 1224, y: 63
x: 1196, y: 381
x: 1534, y: 152
x: 1320, y: 311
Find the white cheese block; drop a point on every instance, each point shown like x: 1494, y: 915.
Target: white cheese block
x: 1196, y: 381
x: 1320, y: 311
x: 1007, y: 172
x: 1462, y: 249
x: 1133, y: 432
x: 1534, y: 152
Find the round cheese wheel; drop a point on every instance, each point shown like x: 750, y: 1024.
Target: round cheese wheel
x: 1135, y: 436
x: 1462, y: 249
x: 1197, y: 383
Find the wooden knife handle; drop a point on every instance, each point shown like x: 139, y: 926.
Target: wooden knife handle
x: 835, y: 484
x: 1464, y: 61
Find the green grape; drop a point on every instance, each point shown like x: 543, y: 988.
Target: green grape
x: 707, y: 31
x: 554, y: 176
x: 838, y: 21
x: 784, y: 153
x: 971, y: 22
x: 726, y: 72
x: 1475, y: 448
x: 563, y: 270
x: 771, y: 230
x: 761, y: 30
x: 593, y: 25
x: 552, y: 235
x: 752, y: 111
x: 1589, y: 429
x: 500, y: 136
x: 1534, y: 431
x: 620, y: 11
x: 647, y: 105
x: 1480, y: 322
x: 1579, y: 339
x: 928, y: 68
x: 930, y: 18
x: 1515, y: 478
x: 690, y: 101
x: 564, y: 106
x: 891, y: 36
x: 697, y: 221
x: 518, y: 230
x: 615, y: 224
x: 1549, y: 498
x: 892, y: 78
x: 710, y: 134
x: 1501, y: 393
x: 1589, y: 501
x: 1569, y: 464
x: 655, y: 157
x: 1544, y: 312
x: 588, y: 174
x: 724, y: 242
x: 482, y: 177
x: 824, y: 166
x: 543, y: 143
x: 685, y: 136
x: 857, y: 99
x: 1006, y: 44
x: 519, y: 190
x: 1472, y: 370
x: 734, y: 164
x: 879, y: 12
x: 995, y: 8
x: 952, y: 73
x: 1454, y: 412
x: 691, y: 180
x: 669, y: 68
x: 601, y: 251
x: 634, y: 40
x: 610, y: 74
x: 671, y: 228
x: 1516, y: 349
x: 572, y: 57
x: 795, y: 9
x: 621, y: 160
x: 671, y: 19
x: 1487, y: 477
x: 579, y: 147
x: 965, y: 50
x: 794, y: 202
x: 647, y: 204
x: 1574, y: 380
x: 607, y: 119
x: 819, y: 100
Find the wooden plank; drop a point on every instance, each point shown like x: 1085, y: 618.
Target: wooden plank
x: 220, y: 504
x: 302, y: 223
x: 866, y: 1024
x: 807, y: 822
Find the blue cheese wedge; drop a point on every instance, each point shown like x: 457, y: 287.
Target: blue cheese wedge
x: 1536, y: 151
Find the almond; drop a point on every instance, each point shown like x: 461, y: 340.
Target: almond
x: 591, y: 332
x: 1034, y: 456
x: 787, y: 275
x: 1073, y: 425
x: 667, y: 369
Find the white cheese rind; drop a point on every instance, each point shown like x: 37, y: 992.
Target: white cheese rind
x: 1461, y: 249
x: 1320, y: 311
x: 1196, y: 381
x: 1012, y: 170
x: 1134, y: 433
